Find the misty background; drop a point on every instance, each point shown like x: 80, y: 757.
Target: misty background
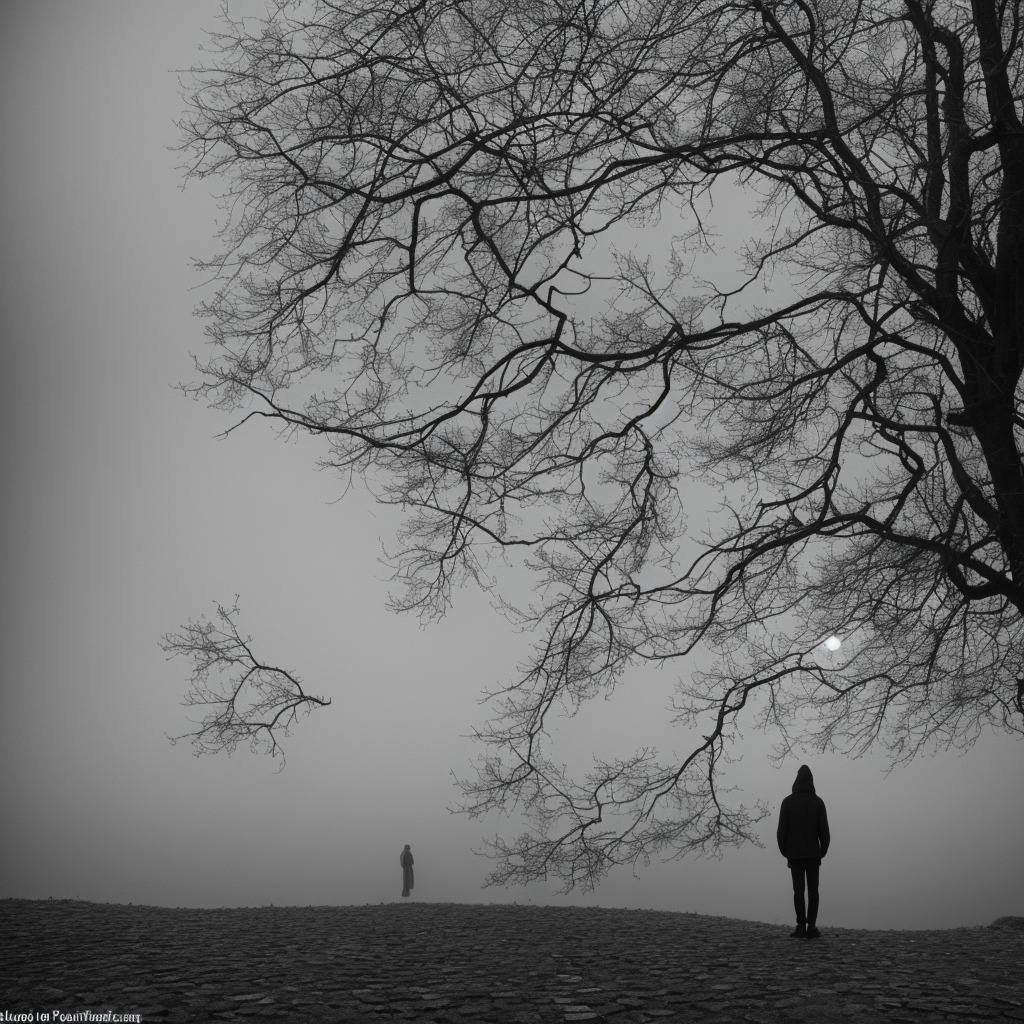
x: 124, y: 515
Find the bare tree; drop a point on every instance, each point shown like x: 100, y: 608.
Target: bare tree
x: 484, y: 250
x: 246, y: 700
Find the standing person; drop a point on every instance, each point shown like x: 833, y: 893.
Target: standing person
x: 803, y: 840
x: 406, y: 861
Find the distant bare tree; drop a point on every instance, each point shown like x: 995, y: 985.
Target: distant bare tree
x: 255, y: 703
x: 473, y: 245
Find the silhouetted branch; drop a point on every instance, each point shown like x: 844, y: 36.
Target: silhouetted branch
x: 245, y: 700
x: 472, y: 246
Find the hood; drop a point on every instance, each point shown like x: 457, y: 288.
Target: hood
x: 804, y: 780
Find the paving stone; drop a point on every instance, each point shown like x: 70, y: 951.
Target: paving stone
x: 453, y: 964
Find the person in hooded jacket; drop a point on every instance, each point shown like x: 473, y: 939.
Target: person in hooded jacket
x: 803, y: 840
x: 407, y: 862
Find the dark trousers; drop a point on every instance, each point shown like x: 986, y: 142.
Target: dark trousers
x: 805, y: 870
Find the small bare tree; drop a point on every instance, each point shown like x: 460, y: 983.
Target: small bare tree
x: 473, y: 246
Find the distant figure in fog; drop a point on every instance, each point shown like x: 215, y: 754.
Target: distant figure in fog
x: 803, y: 841
x: 406, y: 861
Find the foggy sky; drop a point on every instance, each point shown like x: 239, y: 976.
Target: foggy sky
x: 124, y: 515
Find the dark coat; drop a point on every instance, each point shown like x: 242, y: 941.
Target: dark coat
x: 407, y: 862
x: 803, y: 824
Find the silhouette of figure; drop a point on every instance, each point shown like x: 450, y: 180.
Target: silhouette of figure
x: 406, y: 861
x: 803, y: 840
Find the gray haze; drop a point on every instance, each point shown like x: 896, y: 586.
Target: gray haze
x: 123, y: 516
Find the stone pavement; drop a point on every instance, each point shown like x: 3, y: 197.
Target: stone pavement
x: 491, y: 964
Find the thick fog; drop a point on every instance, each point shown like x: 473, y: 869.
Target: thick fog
x: 124, y: 515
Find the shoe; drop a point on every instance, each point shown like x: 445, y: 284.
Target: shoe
x: 812, y: 932
x: 799, y: 933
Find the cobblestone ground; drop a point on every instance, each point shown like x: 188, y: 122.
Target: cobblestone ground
x: 492, y: 964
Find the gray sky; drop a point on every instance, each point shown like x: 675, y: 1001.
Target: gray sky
x: 124, y: 515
